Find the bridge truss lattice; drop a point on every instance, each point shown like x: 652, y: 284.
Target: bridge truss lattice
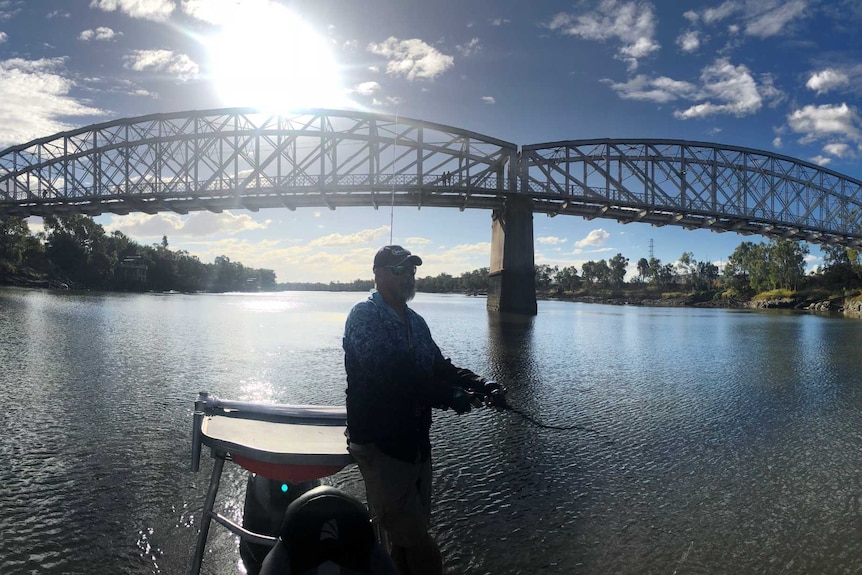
x: 243, y: 159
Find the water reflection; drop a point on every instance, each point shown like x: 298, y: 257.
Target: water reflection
x: 510, y: 346
x: 735, y: 433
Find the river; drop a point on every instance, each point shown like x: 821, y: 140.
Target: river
x: 726, y: 441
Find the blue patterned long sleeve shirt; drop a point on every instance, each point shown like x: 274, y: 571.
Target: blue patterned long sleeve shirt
x: 395, y: 375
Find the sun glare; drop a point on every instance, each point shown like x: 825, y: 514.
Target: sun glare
x: 266, y: 57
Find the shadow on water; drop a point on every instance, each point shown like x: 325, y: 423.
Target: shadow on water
x: 510, y: 346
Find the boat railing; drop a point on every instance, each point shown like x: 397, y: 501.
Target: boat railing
x: 292, y: 443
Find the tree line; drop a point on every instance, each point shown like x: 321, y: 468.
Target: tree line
x: 752, y: 268
x: 76, y: 252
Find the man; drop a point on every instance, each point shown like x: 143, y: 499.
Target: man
x: 395, y: 375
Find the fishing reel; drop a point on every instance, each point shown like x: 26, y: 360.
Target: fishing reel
x: 494, y: 395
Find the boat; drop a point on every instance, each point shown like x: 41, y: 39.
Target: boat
x: 291, y: 523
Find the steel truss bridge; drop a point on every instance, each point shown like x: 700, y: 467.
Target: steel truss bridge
x: 243, y: 159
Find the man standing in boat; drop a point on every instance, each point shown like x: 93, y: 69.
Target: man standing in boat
x: 395, y: 375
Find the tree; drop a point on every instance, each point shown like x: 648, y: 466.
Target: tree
x: 643, y: 269
x: 618, y: 266
x: 654, y: 270
x: 786, y: 261
x: 705, y: 276
x: 588, y: 272
x: 687, y: 265
x: 603, y: 273
x: 77, y: 246
x: 545, y: 276
x: 443, y: 283
x: 475, y: 282
x: 13, y: 242
x: 567, y: 279
x: 841, y: 266
x: 780, y: 264
x: 740, y: 266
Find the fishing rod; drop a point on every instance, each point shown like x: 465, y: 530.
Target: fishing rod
x: 497, y: 400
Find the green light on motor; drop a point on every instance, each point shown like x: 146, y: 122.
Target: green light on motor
x: 284, y: 487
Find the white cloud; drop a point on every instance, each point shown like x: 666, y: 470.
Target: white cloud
x: 489, y: 99
x: 759, y: 18
x: 387, y: 102
x: 167, y: 61
x: 725, y: 10
x: 207, y: 224
x: 689, y: 41
x: 551, y: 240
x: 596, y: 238
x: 361, y: 237
x: 34, y: 96
x: 158, y: 10
x: 629, y: 22
x: 195, y: 225
x: 733, y: 87
x: 500, y: 21
x: 826, y: 80
x: 825, y: 121
x: 821, y: 160
x: 777, y: 142
x: 211, y: 11
x: 367, y: 88
x: 416, y: 241
x: 3, y: 37
x: 480, y: 248
x: 659, y: 90
x: 470, y: 48
x: 100, y: 33
x: 413, y: 59
x: 9, y: 10
x: 767, y: 18
x: 838, y: 149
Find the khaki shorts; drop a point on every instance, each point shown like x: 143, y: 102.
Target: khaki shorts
x: 398, y: 492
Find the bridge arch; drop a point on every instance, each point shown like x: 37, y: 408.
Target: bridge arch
x: 242, y: 158
x: 696, y: 185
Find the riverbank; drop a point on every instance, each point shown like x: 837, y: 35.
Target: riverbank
x: 18, y: 280
x: 850, y: 306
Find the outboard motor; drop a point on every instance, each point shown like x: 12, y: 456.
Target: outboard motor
x: 327, y: 531
x: 266, y: 502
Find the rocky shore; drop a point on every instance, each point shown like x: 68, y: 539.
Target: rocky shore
x: 850, y: 307
x: 31, y: 282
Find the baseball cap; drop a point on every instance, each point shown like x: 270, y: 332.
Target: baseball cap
x: 393, y: 256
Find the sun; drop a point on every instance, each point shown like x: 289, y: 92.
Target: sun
x: 266, y: 57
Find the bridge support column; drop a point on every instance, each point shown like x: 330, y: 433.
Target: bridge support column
x: 512, y: 275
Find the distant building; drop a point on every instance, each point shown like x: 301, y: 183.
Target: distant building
x: 132, y: 271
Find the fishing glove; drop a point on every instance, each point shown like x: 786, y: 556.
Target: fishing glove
x: 461, y: 401
x: 495, y: 394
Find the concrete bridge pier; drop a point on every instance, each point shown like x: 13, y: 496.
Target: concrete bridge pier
x: 512, y: 275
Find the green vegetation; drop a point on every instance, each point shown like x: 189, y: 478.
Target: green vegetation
x: 75, y: 252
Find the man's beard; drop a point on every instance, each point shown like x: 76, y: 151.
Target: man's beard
x: 407, y: 291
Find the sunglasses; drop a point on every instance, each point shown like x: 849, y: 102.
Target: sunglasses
x: 400, y: 270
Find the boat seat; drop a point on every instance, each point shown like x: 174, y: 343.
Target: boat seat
x: 327, y: 532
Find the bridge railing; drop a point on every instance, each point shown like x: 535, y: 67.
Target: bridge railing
x: 221, y: 159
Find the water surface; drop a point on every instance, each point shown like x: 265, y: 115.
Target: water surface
x: 726, y: 441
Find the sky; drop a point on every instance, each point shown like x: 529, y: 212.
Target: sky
x: 784, y: 76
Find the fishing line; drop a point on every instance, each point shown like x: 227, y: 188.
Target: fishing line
x: 538, y: 423
x: 394, y: 151
x: 529, y: 418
